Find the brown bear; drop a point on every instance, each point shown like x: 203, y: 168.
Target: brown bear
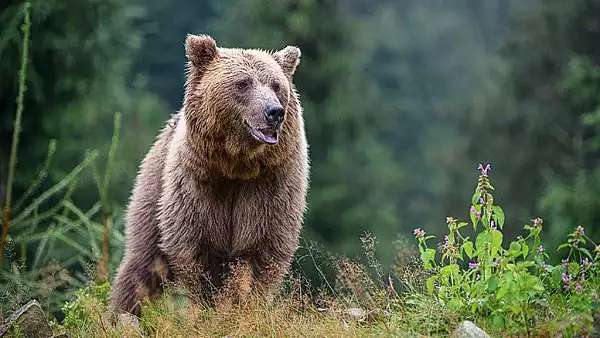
x: 219, y: 200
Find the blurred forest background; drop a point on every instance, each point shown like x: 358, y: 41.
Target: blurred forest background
x: 403, y: 99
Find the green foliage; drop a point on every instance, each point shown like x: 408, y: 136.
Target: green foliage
x: 37, y: 225
x: 77, y: 76
x: 512, y: 284
x: 528, y: 117
x: 7, y: 208
x: 77, y: 310
x: 573, y: 199
x: 52, y: 247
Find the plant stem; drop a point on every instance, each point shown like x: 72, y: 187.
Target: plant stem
x: 103, y: 268
x: 17, y: 128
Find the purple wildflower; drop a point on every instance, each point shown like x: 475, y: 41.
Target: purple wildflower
x: 544, y: 264
x: 419, y: 233
x: 538, y: 222
x: 566, y: 279
x: 478, y: 277
x: 484, y: 170
x: 579, y: 287
x: 580, y: 230
x: 449, y: 220
x: 474, y: 265
x: 540, y: 250
x: 493, y: 225
x: 497, y: 261
x: 446, y: 245
x: 586, y: 263
x: 565, y: 263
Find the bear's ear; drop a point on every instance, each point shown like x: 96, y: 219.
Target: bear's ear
x: 288, y: 58
x: 200, y: 50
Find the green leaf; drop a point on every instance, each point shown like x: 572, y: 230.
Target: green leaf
x: 499, y: 215
x: 431, y: 283
x: 496, y: 241
x: 449, y: 269
x: 473, y: 220
x: 481, y: 239
x: 586, y: 252
x: 461, y: 225
x: 425, y: 259
x: 514, y: 247
x: 486, y: 217
x: 493, y: 283
x: 474, y: 307
x: 427, y: 256
x: 525, y: 250
x: 562, y: 246
x: 573, y: 268
x: 525, y: 264
x: 501, y: 293
x: 476, y: 196
x: 467, y: 247
x: 491, y: 237
x: 498, y: 322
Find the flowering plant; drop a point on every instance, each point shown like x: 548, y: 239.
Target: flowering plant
x: 507, y: 283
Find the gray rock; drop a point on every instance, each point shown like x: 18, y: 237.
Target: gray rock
x: 126, y: 319
x: 356, y: 313
x: 468, y: 329
x: 28, y: 321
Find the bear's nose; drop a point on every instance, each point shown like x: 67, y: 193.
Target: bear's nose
x: 274, y: 113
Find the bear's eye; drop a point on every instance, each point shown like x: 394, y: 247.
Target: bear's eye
x: 243, y: 84
x: 276, y: 87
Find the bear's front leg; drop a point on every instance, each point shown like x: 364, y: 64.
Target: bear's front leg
x: 140, y: 276
x: 272, y: 266
x: 189, y: 270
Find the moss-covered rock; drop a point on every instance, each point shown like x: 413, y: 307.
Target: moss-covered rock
x: 28, y: 321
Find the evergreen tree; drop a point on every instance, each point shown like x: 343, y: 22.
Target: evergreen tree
x: 80, y: 55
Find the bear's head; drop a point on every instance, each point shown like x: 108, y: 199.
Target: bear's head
x: 238, y: 96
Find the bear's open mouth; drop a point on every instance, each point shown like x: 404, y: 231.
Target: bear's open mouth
x: 265, y: 135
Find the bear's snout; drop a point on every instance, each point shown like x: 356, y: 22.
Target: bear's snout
x: 274, y: 115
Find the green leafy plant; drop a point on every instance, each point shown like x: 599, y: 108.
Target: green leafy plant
x: 511, y: 283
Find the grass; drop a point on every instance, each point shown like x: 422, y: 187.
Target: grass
x: 298, y: 312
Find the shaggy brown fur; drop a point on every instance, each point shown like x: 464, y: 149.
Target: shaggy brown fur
x: 220, y: 197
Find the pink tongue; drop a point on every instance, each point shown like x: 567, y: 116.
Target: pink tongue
x: 270, y: 137
x: 266, y: 136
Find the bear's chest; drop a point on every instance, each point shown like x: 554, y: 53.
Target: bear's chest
x: 239, y: 216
